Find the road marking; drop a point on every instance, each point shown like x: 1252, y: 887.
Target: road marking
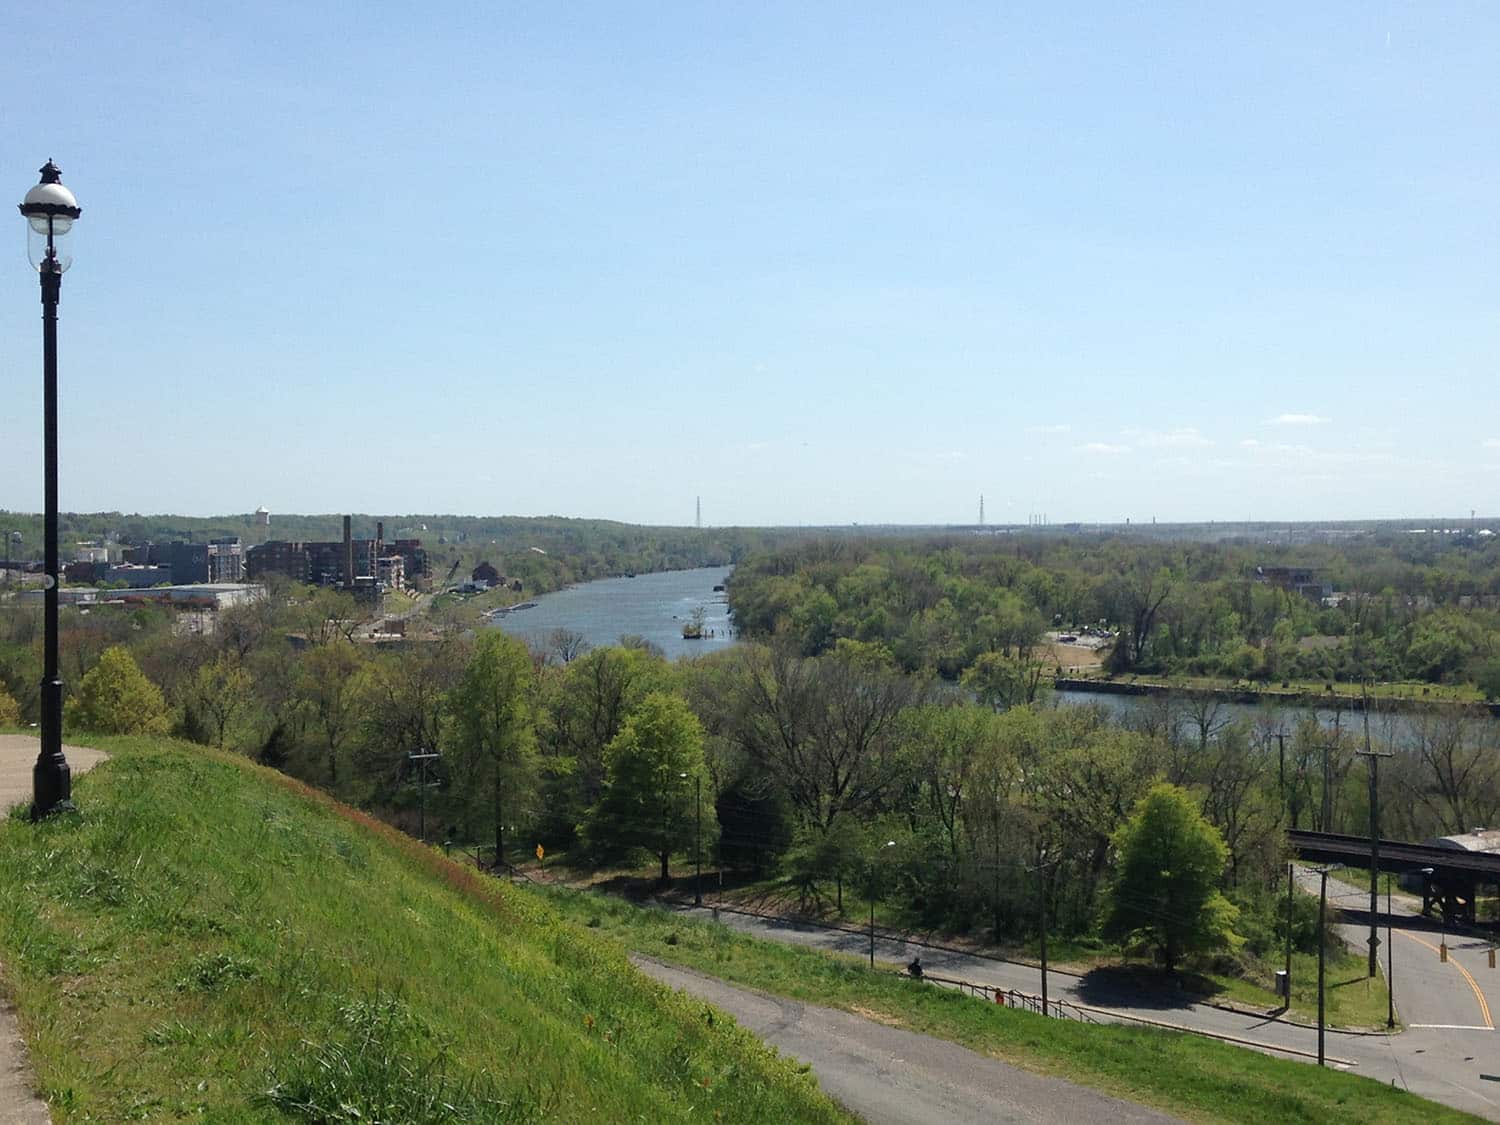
x: 1484, y: 1007
x: 1453, y: 1026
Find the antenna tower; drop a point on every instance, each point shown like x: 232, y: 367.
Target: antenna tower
x: 981, y: 509
x: 699, y: 516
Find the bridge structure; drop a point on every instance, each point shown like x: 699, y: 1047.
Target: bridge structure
x: 1450, y: 877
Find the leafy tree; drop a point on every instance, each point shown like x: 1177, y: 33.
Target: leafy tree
x: 1004, y: 681
x: 115, y: 697
x: 331, y: 683
x: 493, y: 728
x: 10, y: 710
x: 215, y: 694
x: 1165, y: 889
x: 586, y: 705
x: 649, y: 793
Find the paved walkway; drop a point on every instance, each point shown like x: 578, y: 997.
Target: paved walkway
x: 889, y: 1076
x: 19, y: 1104
x: 1453, y: 1065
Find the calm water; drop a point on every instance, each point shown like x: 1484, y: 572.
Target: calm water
x: 1387, y: 728
x: 654, y: 606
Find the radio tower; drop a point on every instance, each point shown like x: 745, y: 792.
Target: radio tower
x: 699, y: 517
x: 981, y: 509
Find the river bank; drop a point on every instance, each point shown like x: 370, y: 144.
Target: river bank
x: 1250, y: 695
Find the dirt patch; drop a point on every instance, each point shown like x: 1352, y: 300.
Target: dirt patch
x: 878, y: 1017
x: 1072, y: 658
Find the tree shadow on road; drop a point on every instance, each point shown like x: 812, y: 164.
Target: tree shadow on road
x: 1140, y: 986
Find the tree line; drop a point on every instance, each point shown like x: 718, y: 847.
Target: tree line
x: 839, y: 772
x: 1408, y: 608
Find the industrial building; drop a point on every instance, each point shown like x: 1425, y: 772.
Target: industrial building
x: 362, y: 566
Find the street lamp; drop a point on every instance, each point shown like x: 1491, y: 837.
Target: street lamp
x: 50, y: 210
x: 1322, y: 944
x: 697, y: 837
x: 887, y: 844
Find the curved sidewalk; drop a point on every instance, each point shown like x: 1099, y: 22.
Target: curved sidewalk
x: 19, y: 1104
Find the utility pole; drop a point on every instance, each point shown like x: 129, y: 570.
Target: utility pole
x: 422, y: 758
x: 1327, y: 825
x: 1281, y: 771
x: 1041, y: 879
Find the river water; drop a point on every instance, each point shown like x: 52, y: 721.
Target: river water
x: 654, y: 606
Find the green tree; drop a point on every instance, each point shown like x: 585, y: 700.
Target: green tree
x: 1166, y: 886
x: 649, y: 791
x: 115, y: 697
x: 215, y: 694
x: 10, y: 710
x: 493, y: 728
x: 332, y: 685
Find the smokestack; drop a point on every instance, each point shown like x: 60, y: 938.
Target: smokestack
x: 348, y: 555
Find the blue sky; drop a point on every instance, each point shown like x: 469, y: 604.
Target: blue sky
x: 816, y: 264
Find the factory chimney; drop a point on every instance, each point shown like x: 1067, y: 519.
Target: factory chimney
x: 348, y: 555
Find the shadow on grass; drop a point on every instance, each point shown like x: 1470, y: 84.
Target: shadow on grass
x: 1143, y: 987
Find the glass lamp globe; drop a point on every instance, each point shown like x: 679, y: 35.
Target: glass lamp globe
x: 50, y: 210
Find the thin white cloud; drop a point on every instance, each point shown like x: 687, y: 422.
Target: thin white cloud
x: 1103, y: 447
x: 1298, y: 420
x: 1054, y: 428
x: 1183, y: 437
x: 1249, y: 443
x: 1492, y: 443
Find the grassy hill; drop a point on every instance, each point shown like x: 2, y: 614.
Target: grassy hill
x: 209, y: 939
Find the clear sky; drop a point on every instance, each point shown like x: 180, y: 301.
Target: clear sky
x: 815, y: 263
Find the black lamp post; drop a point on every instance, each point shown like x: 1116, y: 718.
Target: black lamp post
x: 50, y: 211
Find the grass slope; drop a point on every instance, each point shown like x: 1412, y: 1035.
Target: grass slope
x: 1196, y: 1078
x: 208, y: 939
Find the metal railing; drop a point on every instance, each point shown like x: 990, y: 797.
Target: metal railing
x: 1012, y: 998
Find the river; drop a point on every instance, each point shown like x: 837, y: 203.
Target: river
x: 654, y: 606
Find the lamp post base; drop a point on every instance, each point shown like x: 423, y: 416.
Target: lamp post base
x: 51, y: 787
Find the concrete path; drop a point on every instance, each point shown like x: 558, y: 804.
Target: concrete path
x: 1459, y: 1066
x: 885, y: 1074
x: 19, y: 1104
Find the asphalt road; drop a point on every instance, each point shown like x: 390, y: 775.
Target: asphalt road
x: 1454, y: 1065
x: 885, y: 1074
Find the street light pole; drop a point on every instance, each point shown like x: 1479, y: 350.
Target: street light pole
x: 1322, y: 946
x: 50, y: 210
x: 698, y: 841
x: 1373, y: 757
x: 1390, y: 962
x: 874, y: 866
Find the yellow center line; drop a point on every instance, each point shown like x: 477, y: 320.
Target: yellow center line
x: 1484, y: 1007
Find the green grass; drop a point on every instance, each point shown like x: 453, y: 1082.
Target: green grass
x: 208, y: 939
x: 1351, y: 998
x: 1194, y: 1077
